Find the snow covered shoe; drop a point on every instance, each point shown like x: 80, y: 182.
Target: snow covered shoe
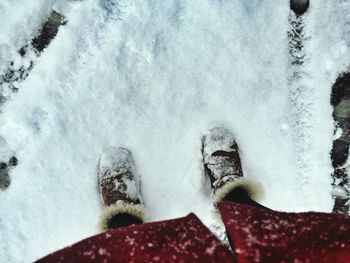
x: 119, y: 185
x: 222, y: 164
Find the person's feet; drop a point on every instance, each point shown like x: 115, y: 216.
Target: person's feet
x: 222, y: 165
x: 119, y: 182
x: 119, y: 185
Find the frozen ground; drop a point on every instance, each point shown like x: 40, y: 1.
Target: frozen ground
x: 153, y: 76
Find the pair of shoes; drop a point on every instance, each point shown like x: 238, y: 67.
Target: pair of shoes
x: 119, y: 183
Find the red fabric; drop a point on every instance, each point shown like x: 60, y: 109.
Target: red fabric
x: 179, y: 240
x: 258, y: 236
x: 268, y: 236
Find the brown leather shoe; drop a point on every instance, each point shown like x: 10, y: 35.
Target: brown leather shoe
x: 222, y: 165
x: 119, y: 185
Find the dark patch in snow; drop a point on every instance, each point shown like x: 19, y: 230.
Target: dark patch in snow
x: 4, y: 176
x: 5, y: 168
x: 299, y: 6
x: 49, y: 31
x: 13, y: 161
x: 340, y: 100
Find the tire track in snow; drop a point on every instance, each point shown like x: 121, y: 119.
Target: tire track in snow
x: 323, y: 54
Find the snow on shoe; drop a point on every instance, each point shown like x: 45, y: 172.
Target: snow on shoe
x: 119, y: 185
x: 222, y: 164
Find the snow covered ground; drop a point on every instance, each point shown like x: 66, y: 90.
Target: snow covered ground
x: 153, y: 76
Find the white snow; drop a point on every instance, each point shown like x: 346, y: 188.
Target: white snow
x: 154, y: 76
x: 5, y: 151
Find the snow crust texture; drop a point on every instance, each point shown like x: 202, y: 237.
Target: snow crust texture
x: 153, y: 76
